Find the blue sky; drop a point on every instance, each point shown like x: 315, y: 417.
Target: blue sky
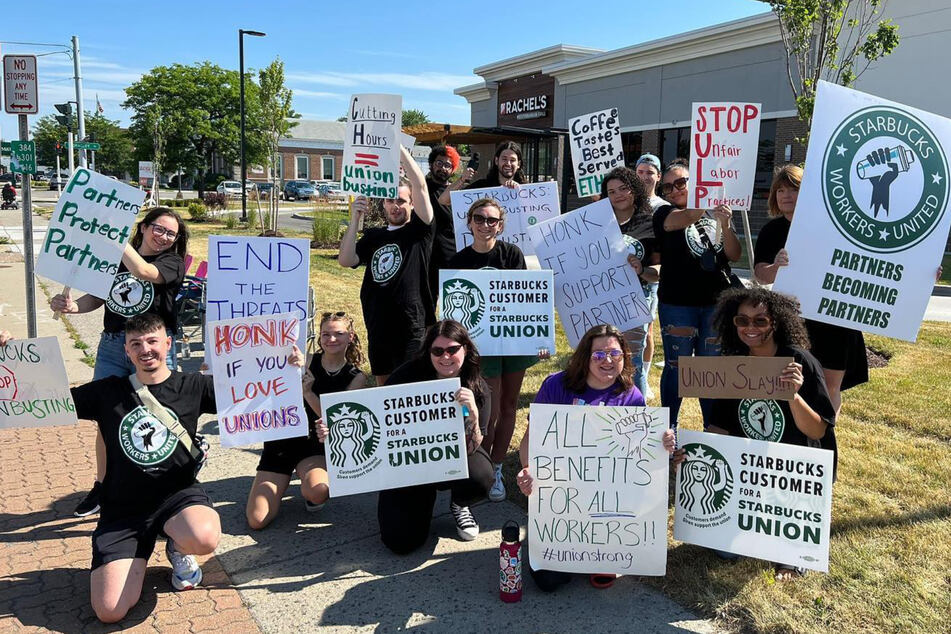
x: 422, y: 50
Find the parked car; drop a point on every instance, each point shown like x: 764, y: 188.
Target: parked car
x: 298, y: 190
x: 229, y: 188
x: 265, y: 189
x: 330, y: 190
x: 58, y: 182
x: 11, y: 177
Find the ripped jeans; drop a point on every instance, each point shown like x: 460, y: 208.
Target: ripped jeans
x: 685, y: 330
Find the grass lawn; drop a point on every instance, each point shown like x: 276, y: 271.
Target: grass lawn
x: 891, y: 529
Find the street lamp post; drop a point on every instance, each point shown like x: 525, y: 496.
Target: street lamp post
x: 244, y: 167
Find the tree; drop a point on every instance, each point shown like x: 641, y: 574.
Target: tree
x: 276, y: 120
x: 834, y: 40
x: 414, y: 117
x: 116, y: 155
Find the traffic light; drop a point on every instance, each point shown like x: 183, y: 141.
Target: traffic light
x: 59, y: 146
x: 66, y: 118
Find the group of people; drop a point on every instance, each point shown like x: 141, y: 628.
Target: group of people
x: 148, y: 450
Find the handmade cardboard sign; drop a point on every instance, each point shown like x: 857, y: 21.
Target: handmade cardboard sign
x: 734, y: 377
x: 757, y: 498
x: 88, y: 231
x: 525, y: 206
x: 599, y: 498
x: 724, y: 142
x: 258, y: 391
x: 595, y: 141
x: 396, y: 436
x: 34, y: 390
x: 507, y: 313
x: 872, y: 216
x: 371, y: 148
x: 594, y: 284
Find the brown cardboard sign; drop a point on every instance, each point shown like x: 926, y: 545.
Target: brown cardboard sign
x: 734, y: 377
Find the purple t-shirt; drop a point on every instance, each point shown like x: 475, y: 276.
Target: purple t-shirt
x: 555, y: 392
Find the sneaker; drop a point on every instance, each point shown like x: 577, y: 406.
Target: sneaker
x: 186, y: 573
x: 497, y: 492
x: 466, y: 525
x: 90, y: 503
x: 310, y: 507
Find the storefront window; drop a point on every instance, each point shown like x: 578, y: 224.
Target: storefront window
x: 765, y: 161
x: 674, y: 143
x: 631, y: 146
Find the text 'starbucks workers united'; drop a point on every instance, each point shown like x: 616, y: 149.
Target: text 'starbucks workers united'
x: 871, y: 220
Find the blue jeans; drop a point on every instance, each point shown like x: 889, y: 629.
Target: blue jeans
x: 693, y: 334
x: 637, y: 339
x: 111, y: 359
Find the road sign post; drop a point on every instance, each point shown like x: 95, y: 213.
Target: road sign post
x: 23, y: 157
x: 87, y: 145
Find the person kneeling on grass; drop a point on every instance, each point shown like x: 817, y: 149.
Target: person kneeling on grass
x: 149, y: 488
x: 600, y: 372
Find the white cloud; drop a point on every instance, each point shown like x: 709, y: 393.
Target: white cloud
x: 302, y: 92
x: 419, y: 81
x: 123, y: 78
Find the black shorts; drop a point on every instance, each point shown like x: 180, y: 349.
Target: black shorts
x: 283, y: 456
x: 839, y: 348
x: 133, y: 536
x: 391, y: 348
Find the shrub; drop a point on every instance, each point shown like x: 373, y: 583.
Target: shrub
x: 252, y: 216
x: 326, y: 232
x: 231, y: 221
x: 198, y: 212
x: 214, y: 200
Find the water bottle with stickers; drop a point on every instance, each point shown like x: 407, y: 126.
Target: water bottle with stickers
x: 510, y: 563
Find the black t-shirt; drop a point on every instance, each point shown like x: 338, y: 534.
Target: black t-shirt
x: 395, y: 293
x: 145, y: 462
x: 482, y: 183
x: 325, y: 383
x: 130, y: 296
x: 417, y: 370
x: 772, y: 420
x: 444, y: 235
x: 504, y: 255
x: 771, y: 238
x: 683, y: 280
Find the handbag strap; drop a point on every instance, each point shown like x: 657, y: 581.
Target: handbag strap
x: 151, y: 403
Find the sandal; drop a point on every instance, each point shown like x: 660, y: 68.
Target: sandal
x: 785, y: 572
x: 602, y: 582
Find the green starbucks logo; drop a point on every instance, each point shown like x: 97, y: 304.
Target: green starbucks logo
x: 762, y: 419
x: 634, y: 247
x: 144, y: 439
x: 129, y: 295
x: 706, y: 480
x: 532, y: 220
x: 385, y: 263
x: 462, y: 301
x: 884, y: 179
x: 697, y: 243
x: 354, y: 434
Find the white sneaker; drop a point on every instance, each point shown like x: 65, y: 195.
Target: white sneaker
x: 186, y: 573
x: 497, y: 492
x: 466, y: 525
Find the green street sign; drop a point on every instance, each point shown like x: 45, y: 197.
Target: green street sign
x: 87, y: 145
x: 4, y: 148
x: 23, y: 157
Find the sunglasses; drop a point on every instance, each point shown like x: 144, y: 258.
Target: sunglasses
x: 680, y: 184
x: 160, y: 231
x: 485, y: 220
x: 436, y: 351
x: 601, y: 355
x: 743, y: 321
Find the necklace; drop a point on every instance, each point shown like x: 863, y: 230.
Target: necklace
x: 333, y: 372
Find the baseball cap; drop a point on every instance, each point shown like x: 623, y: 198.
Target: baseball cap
x: 650, y: 159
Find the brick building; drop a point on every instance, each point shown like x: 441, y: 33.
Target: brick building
x: 312, y: 151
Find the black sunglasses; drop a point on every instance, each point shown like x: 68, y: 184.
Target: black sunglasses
x: 479, y: 219
x: 680, y: 184
x: 436, y: 351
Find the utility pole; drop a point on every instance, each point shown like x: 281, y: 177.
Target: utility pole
x: 77, y: 77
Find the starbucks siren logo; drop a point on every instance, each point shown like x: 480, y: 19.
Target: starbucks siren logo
x: 696, y: 243
x: 884, y: 179
x: 634, y: 246
x: 354, y: 434
x: 706, y: 481
x: 762, y: 419
x: 144, y: 439
x: 385, y: 263
x: 462, y: 301
x: 129, y: 295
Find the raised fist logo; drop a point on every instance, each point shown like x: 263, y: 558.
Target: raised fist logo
x: 881, y: 168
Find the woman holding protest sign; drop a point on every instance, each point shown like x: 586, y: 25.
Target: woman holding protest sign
x: 405, y: 513
x: 697, y: 246
x: 148, y: 280
x: 600, y: 372
x: 504, y: 375
x: 335, y: 368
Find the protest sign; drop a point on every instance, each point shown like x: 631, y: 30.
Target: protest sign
x: 871, y: 219
x: 34, y: 390
x: 762, y: 499
x: 734, y: 377
x: 371, y: 148
x: 88, y: 231
x: 724, y: 139
x: 257, y: 276
x: 595, y: 141
x: 524, y: 207
x: 396, y: 436
x: 594, y: 284
x: 258, y: 391
x: 507, y: 313
x: 599, y: 498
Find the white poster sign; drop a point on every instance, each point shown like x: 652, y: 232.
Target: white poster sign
x: 88, y: 231
x: 525, y: 206
x: 595, y: 141
x: 258, y: 391
x: 507, y: 313
x: 599, y: 499
x: 724, y: 142
x: 371, y: 148
x: 757, y: 498
x: 257, y: 276
x: 872, y: 216
x: 34, y: 390
x: 594, y: 284
x: 396, y: 436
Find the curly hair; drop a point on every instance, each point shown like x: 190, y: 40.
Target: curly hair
x: 354, y: 354
x: 444, y: 150
x: 788, y: 175
x: 576, y: 374
x: 642, y: 201
x: 788, y: 326
x: 470, y: 375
